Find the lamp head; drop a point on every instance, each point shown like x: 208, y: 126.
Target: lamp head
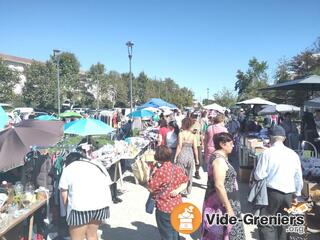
x: 129, y: 44
x: 56, y: 52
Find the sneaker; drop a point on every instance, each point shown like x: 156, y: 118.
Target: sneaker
x: 116, y: 200
x: 197, y: 176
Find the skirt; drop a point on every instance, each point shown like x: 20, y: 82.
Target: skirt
x: 77, y: 218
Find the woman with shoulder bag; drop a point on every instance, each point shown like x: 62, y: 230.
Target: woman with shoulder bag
x: 87, y: 198
x: 165, y: 184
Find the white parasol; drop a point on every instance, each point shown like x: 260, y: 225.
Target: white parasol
x: 279, y: 108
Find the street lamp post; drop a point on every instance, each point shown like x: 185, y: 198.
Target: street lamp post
x: 98, y: 92
x: 130, y: 45
x: 56, y: 54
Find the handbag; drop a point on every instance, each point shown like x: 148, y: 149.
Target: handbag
x: 151, y: 201
x: 140, y: 171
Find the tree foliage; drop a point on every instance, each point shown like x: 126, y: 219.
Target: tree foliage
x: 40, y: 89
x: 225, y: 98
x: 69, y: 69
x: 8, y: 80
x: 303, y: 64
x: 97, y: 83
x: 249, y: 82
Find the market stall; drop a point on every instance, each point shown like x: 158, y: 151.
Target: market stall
x: 19, y: 202
x: 127, y: 151
x: 14, y: 216
x: 309, y: 203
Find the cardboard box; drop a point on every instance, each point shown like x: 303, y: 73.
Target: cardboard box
x: 244, y: 174
x: 310, y: 189
x: 251, y: 142
x: 259, y: 150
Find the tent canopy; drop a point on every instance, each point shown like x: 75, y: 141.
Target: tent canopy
x: 311, y: 83
x: 156, y: 103
x: 142, y: 113
x: 315, y: 103
x: 256, y: 101
x: 215, y: 106
x: 279, y: 108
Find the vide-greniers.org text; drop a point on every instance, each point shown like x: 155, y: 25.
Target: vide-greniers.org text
x: 250, y: 219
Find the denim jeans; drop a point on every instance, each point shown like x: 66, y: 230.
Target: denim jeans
x: 165, y: 228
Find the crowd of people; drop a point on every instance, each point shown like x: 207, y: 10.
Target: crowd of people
x: 206, y: 140
x: 187, y: 143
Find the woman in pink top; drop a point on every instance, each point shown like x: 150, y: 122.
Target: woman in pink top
x: 213, y: 129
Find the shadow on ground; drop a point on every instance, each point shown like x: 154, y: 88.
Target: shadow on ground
x: 142, y: 231
x: 199, y: 185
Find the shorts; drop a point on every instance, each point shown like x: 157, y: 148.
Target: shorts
x: 77, y: 218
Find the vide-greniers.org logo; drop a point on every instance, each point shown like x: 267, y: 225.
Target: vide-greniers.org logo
x: 295, y: 223
x: 248, y: 218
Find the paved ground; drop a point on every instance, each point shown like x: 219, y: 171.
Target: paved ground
x: 130, y: 221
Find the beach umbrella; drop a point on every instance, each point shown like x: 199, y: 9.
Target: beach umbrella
x: 46, y: 118
x: 256, y: 101
x: 279, y: 108
x: 141, y: 114
x: 70, y: 114
x: 87, y: 127
x: 16, y: 141
x: 4, y: 119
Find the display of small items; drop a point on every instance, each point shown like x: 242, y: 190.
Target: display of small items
x: 311, y: 169
x: 15, y: 200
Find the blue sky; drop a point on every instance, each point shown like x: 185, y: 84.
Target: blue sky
x: 200, y: 44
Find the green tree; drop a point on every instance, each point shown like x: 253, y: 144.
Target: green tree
x: 139, y: 89
x: 255, y: 78
x: 8, y: 79
x: 69, y: 69
x: 282, y: 73
x: 40, y: 90
x: 97, y: 82
x: 305, y: 63
x: 119, y: 87
x: 184, y: 97
x: 225, y: 98
x: 152, y: 89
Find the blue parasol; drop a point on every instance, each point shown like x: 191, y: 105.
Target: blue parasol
x: 141, y: 114
x: 87, y: 127
x: 4, y: 119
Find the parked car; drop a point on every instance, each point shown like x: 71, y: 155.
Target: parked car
x: 37, y: 114
x: 67, y: 105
